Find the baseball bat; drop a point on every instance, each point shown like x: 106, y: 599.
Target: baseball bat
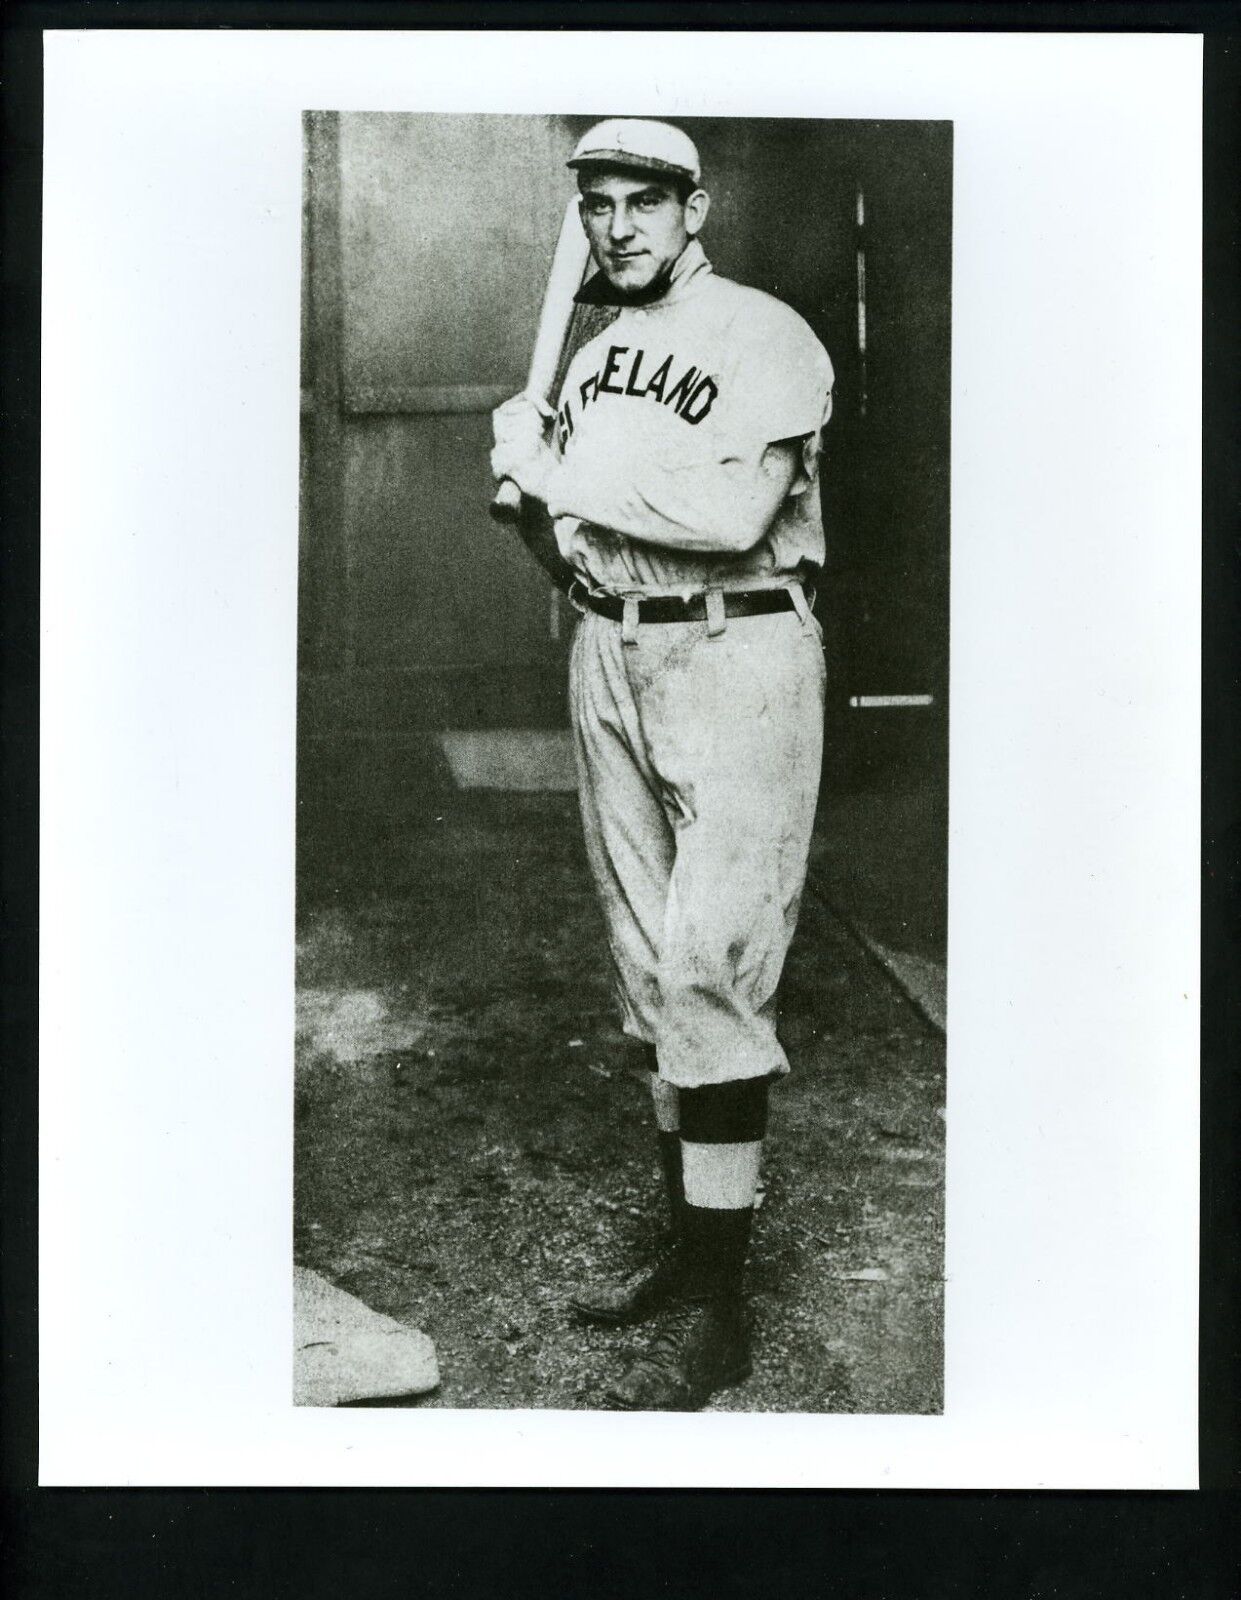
x: 568, y: 268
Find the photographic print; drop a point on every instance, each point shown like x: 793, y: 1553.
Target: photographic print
x: 619, y: 745
x: 622, y: 763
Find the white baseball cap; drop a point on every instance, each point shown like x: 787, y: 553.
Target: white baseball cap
x: 637, y: 143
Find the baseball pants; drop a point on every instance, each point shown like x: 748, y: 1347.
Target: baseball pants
x: 698, y: 771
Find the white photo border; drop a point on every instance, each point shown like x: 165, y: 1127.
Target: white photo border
x: 172, y: 234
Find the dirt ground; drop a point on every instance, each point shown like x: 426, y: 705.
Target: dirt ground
x: 473, y: 1136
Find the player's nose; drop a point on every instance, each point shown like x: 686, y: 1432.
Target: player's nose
x: 621, y: 226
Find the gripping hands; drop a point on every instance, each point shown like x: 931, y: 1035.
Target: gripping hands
x: 521, y: 456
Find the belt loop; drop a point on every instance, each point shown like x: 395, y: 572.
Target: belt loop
x: 717, y: 618
x: 629, y: 621
x: 798, y: 596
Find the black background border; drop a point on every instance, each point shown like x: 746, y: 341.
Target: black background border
x: 567, y: 1543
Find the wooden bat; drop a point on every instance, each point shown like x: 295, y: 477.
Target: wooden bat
x: 563, y: 281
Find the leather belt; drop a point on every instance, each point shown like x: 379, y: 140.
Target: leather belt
x: 672, y: 608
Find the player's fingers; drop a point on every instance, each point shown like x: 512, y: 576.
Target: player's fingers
x: 517, y: 404
x: 510, y: 461
x: 518, y: 420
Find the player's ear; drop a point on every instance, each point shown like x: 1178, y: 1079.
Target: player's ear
x: 696, y: 208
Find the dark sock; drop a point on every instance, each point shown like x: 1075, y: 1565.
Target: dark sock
x: 674, y: 1182
x: 669, y: 1155
x: 716, y: 1245
x: 725, y: 1113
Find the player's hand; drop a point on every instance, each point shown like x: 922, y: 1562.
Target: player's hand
x: 528, y: 466
x: 520, y: 423
x: 521, y: 453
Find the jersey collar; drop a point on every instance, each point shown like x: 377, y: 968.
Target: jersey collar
x: 689, y: 272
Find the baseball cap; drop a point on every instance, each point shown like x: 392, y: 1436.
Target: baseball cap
x: 637, y: 143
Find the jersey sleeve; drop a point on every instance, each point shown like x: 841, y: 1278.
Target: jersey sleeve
x: 782, y: 377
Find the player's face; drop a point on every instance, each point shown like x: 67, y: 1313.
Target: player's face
x: 637, y: 226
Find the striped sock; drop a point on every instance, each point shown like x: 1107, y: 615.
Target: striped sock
x: 722, y: 1128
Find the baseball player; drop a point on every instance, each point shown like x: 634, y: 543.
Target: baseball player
x: 679, y: 477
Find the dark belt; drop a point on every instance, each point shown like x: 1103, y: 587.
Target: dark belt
x: 672, y: 608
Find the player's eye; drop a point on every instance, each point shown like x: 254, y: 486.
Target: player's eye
x: 648, y: 202
x: 596, y: 208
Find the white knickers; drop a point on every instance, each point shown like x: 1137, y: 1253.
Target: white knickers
x: 698, y: 772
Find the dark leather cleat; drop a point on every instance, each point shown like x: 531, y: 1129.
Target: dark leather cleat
x: 633, y: 1299
x: 704, y: 1347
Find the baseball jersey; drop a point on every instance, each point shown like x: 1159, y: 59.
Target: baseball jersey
x: 661, y: 428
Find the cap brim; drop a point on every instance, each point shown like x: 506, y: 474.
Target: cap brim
x: 630, y: 163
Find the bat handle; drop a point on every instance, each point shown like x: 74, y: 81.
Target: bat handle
x: 506, y: 507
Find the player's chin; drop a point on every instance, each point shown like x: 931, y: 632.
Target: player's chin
x: 630, y: 275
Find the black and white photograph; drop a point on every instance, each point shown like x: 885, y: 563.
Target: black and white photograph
x: 622, y: 763
x: 619, y: 749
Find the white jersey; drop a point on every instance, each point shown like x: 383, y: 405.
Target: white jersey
x: 665, y: 417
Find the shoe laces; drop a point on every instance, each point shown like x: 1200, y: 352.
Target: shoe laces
x: 671, y: 1341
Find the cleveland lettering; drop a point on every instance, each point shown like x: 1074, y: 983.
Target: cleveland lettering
x: 626, y: 374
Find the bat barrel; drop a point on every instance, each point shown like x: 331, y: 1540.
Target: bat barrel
x: 568, y: 268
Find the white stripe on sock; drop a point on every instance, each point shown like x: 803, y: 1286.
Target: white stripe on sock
x: 721, y: 1177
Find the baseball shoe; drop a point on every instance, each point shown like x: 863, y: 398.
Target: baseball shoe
x: 634, y: 1298
x: 704, y: 1347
